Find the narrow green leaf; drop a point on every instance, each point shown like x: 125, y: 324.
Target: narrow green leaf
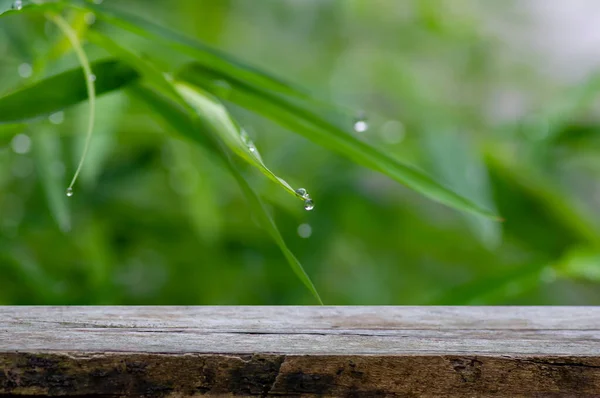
x: 7, y: 7
x: 179, y: 121
x: 213, y: 115
x: 63, y: 90
x: 146, y: 69
x: 73, y: 38
x: 202, y: 53
x: 299, y: 117
x: 265, y: 87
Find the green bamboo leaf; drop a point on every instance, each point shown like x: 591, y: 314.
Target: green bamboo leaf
x: 146, y: 69
x: 10, y: 7
x: 178, y: 120
x: 265, y: 87
x: 201, y: 53
x: 214, y: 116
x: 299, y: 116
x: 63, y: 90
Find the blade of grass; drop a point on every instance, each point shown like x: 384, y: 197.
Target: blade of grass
x: 179, y: 121
x: 200, y: 52
x: 71, y: 35
x: 7, y: 7
x: 213, y: 115
x: 63, y: 90
x: 173, y: 109
x: 300, y: 118
x: 231, y: 70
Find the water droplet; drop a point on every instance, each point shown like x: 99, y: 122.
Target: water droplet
x: 247, y: 141
x: 25, y: 70
x: 57, y: 118
x: 92, y: 78
x: 17, y: 5
x: 309, y: 204
x: 302, y: 192
x: 304, y: 231
x: 360, y: 126
x: 90, y: 18
x: 69, y: 192
x: 21, y: 143
x: 360, y: 123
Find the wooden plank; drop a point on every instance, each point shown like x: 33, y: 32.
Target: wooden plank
x: 325, y: 351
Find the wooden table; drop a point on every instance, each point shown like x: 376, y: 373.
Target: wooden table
x: 328, y: 351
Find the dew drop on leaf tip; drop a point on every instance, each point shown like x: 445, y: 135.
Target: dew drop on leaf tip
x: 302, y: 192
x: 69, y: 192
x: 309, y: 204
x: 17, y: 5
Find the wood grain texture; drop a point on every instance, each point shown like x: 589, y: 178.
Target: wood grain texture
x: 308, y: 351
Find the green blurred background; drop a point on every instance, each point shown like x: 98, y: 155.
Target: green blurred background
x: 481, y: 94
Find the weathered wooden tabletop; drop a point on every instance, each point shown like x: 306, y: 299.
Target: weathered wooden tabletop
x: 329, y: 351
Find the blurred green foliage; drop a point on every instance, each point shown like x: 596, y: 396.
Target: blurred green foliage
x: 157, y: 219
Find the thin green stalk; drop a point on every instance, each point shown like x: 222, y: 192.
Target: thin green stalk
x: 64, y: 26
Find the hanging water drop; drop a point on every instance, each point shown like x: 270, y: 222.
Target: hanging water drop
x: 17, y: 5
x: 302, y: 192
x: 309, y: 204
x: 360, y: 123
x: 92, y: 78
x: 69, y: 192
